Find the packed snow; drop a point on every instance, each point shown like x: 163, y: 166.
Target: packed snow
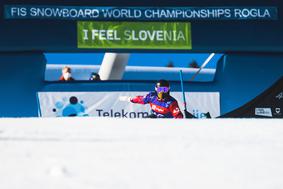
x: 104, y: 153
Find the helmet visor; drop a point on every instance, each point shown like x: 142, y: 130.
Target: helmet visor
x: 162, y: 89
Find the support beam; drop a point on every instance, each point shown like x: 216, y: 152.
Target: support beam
x: 113, y: 66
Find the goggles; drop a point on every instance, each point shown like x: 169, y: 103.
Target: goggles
x: 162, y: 89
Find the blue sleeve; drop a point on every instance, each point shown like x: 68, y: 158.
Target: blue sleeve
x: 149, y: 97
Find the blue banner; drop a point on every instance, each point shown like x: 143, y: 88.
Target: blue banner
x: 139, y: 13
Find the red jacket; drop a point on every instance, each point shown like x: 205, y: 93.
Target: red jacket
x: 63, y: 79
x: 168, y: 108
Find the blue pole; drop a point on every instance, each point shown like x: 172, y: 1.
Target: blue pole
x: 187, y: 114
x: 182, y: 88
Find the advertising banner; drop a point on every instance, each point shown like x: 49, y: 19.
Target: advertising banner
x: 134, y: 35
x: 139, y: 13
x: 269, y: 104
x: 102, y: 104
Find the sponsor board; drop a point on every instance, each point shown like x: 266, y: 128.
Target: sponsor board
x: 266, y: 112
x: 102, y: 104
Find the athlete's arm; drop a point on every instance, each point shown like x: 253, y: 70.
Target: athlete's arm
x: 142, y: 99
x: 138, y: 99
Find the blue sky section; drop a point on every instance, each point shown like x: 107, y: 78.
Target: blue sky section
x: 136, y: 59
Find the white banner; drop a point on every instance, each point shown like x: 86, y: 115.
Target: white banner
x: 107, y: 104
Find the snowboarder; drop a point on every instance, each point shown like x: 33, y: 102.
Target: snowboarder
x: 162, y: 104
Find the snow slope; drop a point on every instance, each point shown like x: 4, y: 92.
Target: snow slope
x: 88, y: 153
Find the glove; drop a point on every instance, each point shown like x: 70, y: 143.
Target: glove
x: 125, y: 98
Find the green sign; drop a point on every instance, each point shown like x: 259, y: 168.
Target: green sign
x: 134, y: 35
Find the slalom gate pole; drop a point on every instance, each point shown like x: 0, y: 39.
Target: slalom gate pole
x: 182, y: 88
x: 187, y: 114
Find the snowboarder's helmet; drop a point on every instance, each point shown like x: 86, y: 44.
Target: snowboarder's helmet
x: 162, y: 89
